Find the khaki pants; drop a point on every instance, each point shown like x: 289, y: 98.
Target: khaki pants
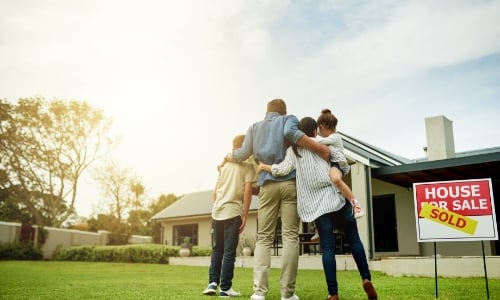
x: 277, y: 198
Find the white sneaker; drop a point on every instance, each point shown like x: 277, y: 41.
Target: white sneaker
x: 257, y: 297
x: 315, y: 237
x: 359, y: 213
x: 293, y: 297
x: 356, y: 208
x: 229, y: 293
x: 211, y: 289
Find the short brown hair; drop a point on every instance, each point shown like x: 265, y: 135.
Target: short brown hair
x: 277, y: 105
x: 327, y: 119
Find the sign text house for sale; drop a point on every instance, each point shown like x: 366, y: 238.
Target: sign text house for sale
x: 455, y: 210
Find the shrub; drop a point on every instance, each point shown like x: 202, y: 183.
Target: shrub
x: 146, y: 253
x: 20, y: 251
x: 201, y: 251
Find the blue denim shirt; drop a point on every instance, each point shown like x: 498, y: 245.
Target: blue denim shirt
x: 268, y: 140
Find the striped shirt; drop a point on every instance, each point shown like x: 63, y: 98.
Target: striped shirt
x: 316, y: 194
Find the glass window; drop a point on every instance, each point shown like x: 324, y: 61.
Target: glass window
x: 183, y: 231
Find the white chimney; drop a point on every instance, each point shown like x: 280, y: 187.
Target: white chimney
x: 440, y: 142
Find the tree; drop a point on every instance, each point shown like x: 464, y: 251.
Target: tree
x: 139, y: 221
x: 123, y: 194
x: 115, y: 185
x: 45, y: 146
x: 137, y: 188
x: 162, y: 202
x: 157, y: 206
x: 139, y: 217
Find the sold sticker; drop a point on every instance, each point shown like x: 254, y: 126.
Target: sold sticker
x: 448, y: 218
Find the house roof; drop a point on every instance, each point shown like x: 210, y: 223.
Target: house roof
x: 484, y: 163
x: 386, y: 166
x: 193, y: 205
x: 368, y: 154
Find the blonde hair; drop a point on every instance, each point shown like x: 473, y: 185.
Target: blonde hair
x: 238, y: 141
x: 277, y: 105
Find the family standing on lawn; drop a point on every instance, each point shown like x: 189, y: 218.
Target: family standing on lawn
x: 299, y: 178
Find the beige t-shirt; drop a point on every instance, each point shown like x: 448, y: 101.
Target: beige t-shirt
x: 230, y: 188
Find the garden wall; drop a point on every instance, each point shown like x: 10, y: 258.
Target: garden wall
x: 11, y: 232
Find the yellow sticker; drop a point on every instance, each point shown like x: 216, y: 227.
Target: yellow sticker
x: 448, y: 218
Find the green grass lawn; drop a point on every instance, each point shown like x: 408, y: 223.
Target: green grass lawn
x: 81, y: 280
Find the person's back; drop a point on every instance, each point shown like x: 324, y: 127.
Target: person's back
x: 313, y: 179
x: 232, y: 196
x: 267, y: 140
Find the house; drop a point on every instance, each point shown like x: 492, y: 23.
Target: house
x: 383, y: 183
x: 191, y: 216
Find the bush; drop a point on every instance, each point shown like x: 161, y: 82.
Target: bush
x: 201, y: 251
x: 20, y: 251
x: 146, y: 253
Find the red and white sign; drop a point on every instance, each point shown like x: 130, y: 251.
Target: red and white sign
x: 455, y: 210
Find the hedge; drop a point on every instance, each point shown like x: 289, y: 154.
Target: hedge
x: 137, y: 253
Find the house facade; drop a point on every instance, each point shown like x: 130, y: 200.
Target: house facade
x: 383, y: 183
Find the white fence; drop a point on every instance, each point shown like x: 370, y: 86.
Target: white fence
x: 11, y: 232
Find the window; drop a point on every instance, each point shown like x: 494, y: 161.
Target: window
x: 384, y: 224
x: 183, y: 231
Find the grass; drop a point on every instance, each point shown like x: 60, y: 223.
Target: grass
x: 82, y: 280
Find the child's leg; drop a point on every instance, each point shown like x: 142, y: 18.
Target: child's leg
x: 336, y: 177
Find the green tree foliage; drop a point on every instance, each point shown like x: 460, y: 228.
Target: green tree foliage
x: 139, y: 221
x: 162, y: 202
x: 45, y: 146
x: 157, y: 206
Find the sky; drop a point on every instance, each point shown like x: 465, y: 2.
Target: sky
x: 181, y: 78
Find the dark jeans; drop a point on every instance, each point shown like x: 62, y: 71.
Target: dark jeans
x: 342, y: 220
x: 224, y: 242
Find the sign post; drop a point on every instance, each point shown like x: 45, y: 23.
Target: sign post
x: 461, y: 210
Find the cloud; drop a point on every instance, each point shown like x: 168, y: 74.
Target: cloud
x: 181, y: 78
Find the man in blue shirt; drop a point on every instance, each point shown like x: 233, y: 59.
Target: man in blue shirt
x: 267, y: 141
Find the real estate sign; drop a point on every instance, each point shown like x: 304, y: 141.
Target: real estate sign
x: 462, y: 210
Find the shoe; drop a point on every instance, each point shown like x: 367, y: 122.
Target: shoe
x: 293, y: 297
x: 211, y: 289
x: 229, y: 293
x: 370, y: 290
x: 358, y: 211
x: 332, y: 297
x: 257, y: 297
x: 315, y: 237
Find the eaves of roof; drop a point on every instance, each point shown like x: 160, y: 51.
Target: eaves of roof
x: 193, y: 205
x: 474, y: 166
x: 368, y: 154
